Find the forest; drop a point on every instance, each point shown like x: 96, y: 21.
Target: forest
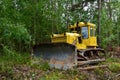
x: 25, y: 23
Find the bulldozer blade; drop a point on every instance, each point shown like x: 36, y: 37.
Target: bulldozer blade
x: 59, y: 55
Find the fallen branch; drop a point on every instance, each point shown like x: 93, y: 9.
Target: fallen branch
x: 88, y: 62
x: 92, y: 67
x: 112, y: 78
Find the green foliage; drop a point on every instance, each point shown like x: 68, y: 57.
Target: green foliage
x: 113, y: 60
x: 12, y: 57
x: 113, y: 64
x: 52, y: 76
x: 9, y: 59
x: 25, y: 23
x: 15, y: 36
x: 39, y: 63
x: 99, y: 72
x: 16, y: 32
x: 114, y: 67
x: 110, y: 24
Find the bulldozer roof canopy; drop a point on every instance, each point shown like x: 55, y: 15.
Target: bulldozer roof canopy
x: 81, y: 24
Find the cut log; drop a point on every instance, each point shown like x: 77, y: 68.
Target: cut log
x: 88, y: 62
x: 92, y: 67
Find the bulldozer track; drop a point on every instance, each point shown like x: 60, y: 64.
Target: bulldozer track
x: 89, y: 58
x: 92, y: 53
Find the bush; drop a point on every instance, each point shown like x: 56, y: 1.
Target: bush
x: 15, y: 36
x: 12, y: 57
x: 114, y: 67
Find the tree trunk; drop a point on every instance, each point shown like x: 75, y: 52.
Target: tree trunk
x: 99, y: 20
x: 110, y: 9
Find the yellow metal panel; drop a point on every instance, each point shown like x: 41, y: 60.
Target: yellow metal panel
x: 72, y: 38
x: 59, y: 39
x: 90, y: 24
x: 81, y: 24
x: 81, y: 46
x: 92, y: 41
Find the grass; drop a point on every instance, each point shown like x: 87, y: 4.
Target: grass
x: 114, y: 67
x: 113, y: 64
x: 9, y: 59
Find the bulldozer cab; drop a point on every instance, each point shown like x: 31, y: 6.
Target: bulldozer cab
x: 85, y: 29
x: 87, y: 34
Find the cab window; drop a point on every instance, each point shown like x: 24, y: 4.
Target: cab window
x: 92, y: 31
x: 84, y: 32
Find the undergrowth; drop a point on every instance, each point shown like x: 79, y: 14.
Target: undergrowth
x: 15, y: 66
x: 10, y: 58
x: 15, y: 58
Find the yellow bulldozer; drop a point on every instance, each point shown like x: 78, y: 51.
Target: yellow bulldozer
x: 66, y: 50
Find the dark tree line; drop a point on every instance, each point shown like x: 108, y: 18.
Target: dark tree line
x: 24, y: 23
